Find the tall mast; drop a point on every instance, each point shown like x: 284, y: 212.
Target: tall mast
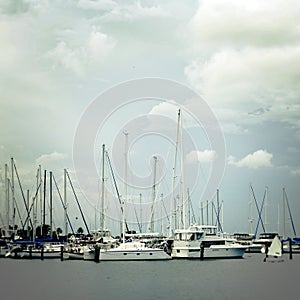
x: 173, y: 221
x: 141, y: 213
x: 102, y: 216
x: 65, y: 203
x: 153, y: 195
x: 44, y: 204
x: 250, y: 210
x: 283, y: 192
x: 6, y: 199
x: 51, y: 205
x: 28, y: 216
x: 206, y: 212
x: 218, y: 211
x: 202, y: 216
x: 41, y: 197
x: 13, y: 192
x: 124, y: 198
x: 183, y: 202
x: 266, y: 206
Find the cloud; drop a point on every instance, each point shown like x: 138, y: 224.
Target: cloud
x: 132, y: 12
x: 255, y: 160
x: 78, y: 58
x: 48, y: 159
x: 295, y: 172
x: 205, y: 156
x: 237, y: 23
x: 97, y: 4
x: 245, y: 60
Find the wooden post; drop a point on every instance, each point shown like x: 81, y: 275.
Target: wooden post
x: 291, y: 249
x: 42, y: 253
x: 30, y: 252
x: 201, y: 251
x: 97, y: 254
x: 61, y: 253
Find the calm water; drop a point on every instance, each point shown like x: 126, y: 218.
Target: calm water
x: 248, y: 278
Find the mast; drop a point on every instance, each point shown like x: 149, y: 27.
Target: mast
x: 13, y: 192
x: 290, y: 213
x: 141, y: 213
x: 173, y: 221
x: 161, y: 214
x: 201, y: 213
x: 41, y: 198
x: 44, y: 203
x: 51, y: 206
x: 266, y: 206
x: 6, y: 199
x: 250, y: 211
x: 65, y: 203
x: 218, y: 211
x: 283, y: 190
x: 153, y: 195
x: 28, y: 216
x: 124, y: 198
x: 183, y: 202
x: 222, y: 209
x: 102, y: 215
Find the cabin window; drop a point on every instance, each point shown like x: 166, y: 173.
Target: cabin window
x: 138, y: 253
x: 178, y: 251
x: 199, y: 235
x: 125, y: 253
x: 150, y: 253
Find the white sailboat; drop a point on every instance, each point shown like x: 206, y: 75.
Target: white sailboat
x: 131, y: 250
x: 275, y: 248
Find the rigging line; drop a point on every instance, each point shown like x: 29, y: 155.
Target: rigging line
x: 116, y: 187
x: 2, y: 219
x: 31, y: 206
x: 287, y: 202
x: 191, y: 204
x: 18, y: 211
x: 81, y: 212
x: 218, y: 220
x: 218, y: 217
x: 136, y: 216
x: 62, y: 202
x: 166, y: 212
x: 23, y: 196
x: 259, y: 213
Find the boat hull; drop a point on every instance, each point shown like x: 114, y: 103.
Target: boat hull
x: 133, y: 255
x: 211, y: 252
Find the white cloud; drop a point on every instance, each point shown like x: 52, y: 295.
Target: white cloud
x: 78, y: 58
x: 50, y: 158
x: 96, y: 4
x: 132, y: 12
x: 245, y: 60
x: 255, y: 160
x: 295, y: 172
x: 201, y: 156
x: 238, y: 23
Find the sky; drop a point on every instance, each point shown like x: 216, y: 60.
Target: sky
x: 62, y: 62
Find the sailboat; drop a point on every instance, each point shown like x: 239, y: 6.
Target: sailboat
x: 275, y: 248
x: 131, y: 251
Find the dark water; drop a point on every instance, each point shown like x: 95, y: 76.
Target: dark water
x: 248, y: 278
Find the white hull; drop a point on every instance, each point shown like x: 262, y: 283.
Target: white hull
x: 201, y: 242
x: 134, y: 254
x: 211, y: 252
x: 33, y: 254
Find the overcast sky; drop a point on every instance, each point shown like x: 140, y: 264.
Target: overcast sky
x: 242, y: 57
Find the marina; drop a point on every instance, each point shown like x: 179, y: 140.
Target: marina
x: 248, y: 278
